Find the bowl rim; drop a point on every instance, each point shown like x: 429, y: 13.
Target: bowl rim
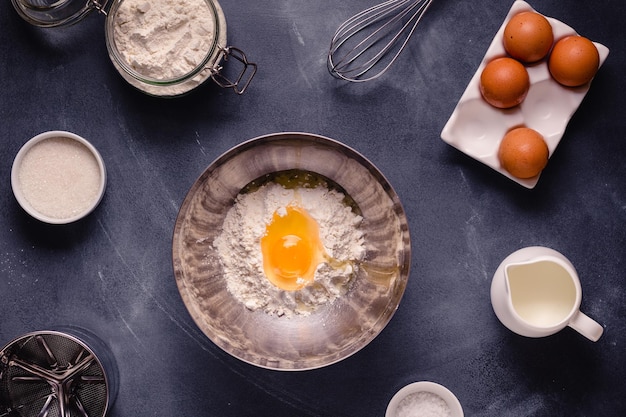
x: 404, y: 267
x: 425, y: 386
x: 16, y: 186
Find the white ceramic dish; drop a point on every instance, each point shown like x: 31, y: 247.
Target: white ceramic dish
x: 476, y: 128
x: 425, y: 386
x: 87, y: 205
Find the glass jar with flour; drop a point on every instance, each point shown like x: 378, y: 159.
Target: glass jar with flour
x: 165, y: 48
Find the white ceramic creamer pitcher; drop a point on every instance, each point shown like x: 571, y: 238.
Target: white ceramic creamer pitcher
x: 536, y: 292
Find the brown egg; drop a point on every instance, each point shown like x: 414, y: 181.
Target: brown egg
x: 504, y: 83
x: 574, y: 61
x: 528, y: 37
x: 523, y: 152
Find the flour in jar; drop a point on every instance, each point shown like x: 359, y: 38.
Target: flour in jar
x: 239, y: 248
x: 164, y: 39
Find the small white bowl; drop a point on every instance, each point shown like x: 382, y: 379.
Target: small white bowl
x: 61, y: 183
x: 424, y: 386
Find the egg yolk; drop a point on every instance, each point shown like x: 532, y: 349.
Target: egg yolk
x: 291, y: 248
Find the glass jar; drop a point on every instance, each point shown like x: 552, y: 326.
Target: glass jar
x: 52, y: 13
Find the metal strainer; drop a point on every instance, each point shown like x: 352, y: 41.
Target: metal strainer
x: 54, y: 374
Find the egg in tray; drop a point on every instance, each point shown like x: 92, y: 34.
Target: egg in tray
x: 540, y: 98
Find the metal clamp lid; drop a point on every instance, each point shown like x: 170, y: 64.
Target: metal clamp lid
x: 53, y: 13
x: 100, y: 5
x: 241, y: 82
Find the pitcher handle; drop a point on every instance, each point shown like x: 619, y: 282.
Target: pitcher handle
x: 586, y: 326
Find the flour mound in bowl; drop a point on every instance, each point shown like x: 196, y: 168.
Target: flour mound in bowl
x: 238, y: 246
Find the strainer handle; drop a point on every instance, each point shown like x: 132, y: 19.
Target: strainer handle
x: 245, y: 75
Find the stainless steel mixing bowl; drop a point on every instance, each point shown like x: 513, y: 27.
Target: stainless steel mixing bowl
x: 334, y: 331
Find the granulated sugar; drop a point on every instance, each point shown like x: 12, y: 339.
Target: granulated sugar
x: 240, y: 253
x: 59, y: 177
x: 423, y: 404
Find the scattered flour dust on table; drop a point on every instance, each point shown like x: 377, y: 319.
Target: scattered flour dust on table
x: 239, y: 249
x: 164, y: 39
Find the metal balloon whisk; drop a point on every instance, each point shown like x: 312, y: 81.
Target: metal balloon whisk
x: 367, y: 44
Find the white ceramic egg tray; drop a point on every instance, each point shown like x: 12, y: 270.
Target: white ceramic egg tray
x: 476, y: 128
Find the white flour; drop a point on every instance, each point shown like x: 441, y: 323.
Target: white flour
x: 239, y: 248
x: 164, y: 39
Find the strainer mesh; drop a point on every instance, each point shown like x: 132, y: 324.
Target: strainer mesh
x: 66, y: 370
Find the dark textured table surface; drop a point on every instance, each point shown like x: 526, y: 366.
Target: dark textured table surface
x: 112, y: 272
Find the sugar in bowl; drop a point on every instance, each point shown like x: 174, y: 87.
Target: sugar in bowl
x: 164, y: 48
x: 58, y: 177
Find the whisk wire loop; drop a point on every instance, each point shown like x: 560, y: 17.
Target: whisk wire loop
x: 353, y: 52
